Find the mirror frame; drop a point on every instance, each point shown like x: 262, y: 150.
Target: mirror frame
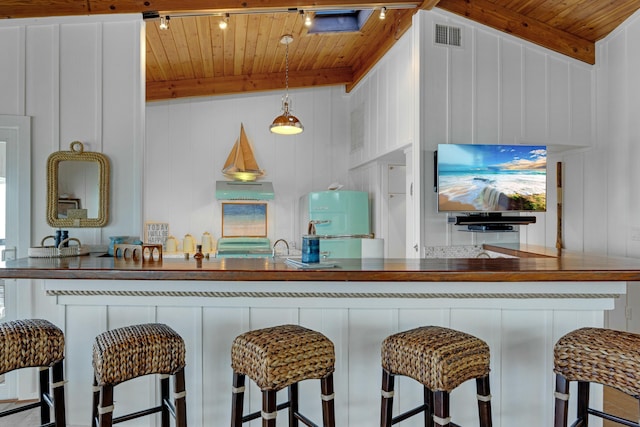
x: 77, y: 153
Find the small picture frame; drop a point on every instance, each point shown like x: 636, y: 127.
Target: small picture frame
x: 244, y: 219
x: 156, y: 232
x: 65, y: 204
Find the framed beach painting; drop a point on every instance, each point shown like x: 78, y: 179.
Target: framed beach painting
x: 244, y: 220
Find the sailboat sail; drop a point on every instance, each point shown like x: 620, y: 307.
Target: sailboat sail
x: 241, y: 163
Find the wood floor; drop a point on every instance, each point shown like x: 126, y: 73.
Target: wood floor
x: 615, y: 402
x: 25, y: 419
x: 620, y: 404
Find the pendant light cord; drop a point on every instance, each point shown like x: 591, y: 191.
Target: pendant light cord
x: 286, y: 69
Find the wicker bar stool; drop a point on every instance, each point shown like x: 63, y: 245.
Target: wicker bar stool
x: 36, y: 343
x: 595, y: 355
x: 440, y: 359
x: 279, y: 357
x: 126, y: 353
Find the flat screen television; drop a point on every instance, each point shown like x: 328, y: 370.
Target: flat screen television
x: 474, y: 178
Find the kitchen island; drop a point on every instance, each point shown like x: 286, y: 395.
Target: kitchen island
x: 520, y: 306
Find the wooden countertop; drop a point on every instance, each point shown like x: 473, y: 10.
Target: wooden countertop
x: 534, y: 264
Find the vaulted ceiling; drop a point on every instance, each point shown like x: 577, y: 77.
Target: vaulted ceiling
x: 194, y: 57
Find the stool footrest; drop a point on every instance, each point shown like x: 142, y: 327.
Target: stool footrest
x: 410, y: 413
x: 306, y: 421
x: 258, y: 414
x: 20, y: 409
x: 613, y: 418
x: 134, y: 415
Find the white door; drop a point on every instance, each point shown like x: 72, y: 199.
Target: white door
x: 15, y: 203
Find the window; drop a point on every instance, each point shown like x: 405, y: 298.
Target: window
x: 339, y: 21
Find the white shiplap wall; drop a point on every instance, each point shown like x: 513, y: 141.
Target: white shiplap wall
x: 610, y: 171
x: 189, y: 140
x: 497, y: 89
x: 79, y: 78
x: 494, y: 89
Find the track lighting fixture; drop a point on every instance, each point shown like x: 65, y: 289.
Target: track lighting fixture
x: 164, y: 22
x: 383, y: 12
x: 307, y: 20
x: 224, y: 22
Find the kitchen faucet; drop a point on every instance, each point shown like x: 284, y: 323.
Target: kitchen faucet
x: 276, y: 243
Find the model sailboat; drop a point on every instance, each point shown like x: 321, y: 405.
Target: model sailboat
x: 241, y: 164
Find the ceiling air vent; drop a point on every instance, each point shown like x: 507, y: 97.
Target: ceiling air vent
x: 448, y: 36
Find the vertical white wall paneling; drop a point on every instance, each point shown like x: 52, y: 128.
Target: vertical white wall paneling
x: 42, y: 98
x: 79, y: 335
x: 617, y: 145
x: 487, y: 108
x: 405, y: 91
x: 535, y: 96
x: 462, y: 88
x: 80, y: 93
x: 364, y: 361
x: 521, y: 343
x: 559, y: 100
x: 633, y: 63
x: 12, y: 70
x: 581, y: 124
x: 511, y: 74
x: 574, y: 203
x: 382, y: 126
x: 433, y: 121
x: 188, y: 323
x: 121, y: 124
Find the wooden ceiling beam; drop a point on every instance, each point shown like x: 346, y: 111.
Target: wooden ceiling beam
x: 29, y: 8
x: 399, y: 22
x: 502, y: 19
x: 429, y: 4
x: 157, y: 91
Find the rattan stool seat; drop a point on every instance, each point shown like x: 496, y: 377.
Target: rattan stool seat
x: 29, y: 343
x: 36, y: 343
x: 601, y: 356
x: 276, y: 358
x: 595, y: 355
x: 440, y: 359
x: 133, y: 351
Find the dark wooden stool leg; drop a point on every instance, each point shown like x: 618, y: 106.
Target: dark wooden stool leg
x: 58, y: 394
x: 428, y: 414
x: 96, y: 403
x: 293, y: 405
x: 45, y: 412
x: 180, y: 398
x: 583, y: 404
x: 441, y: 409
x: 164, y: 398
x: 386, y: 406
x: 269, y: 409
x: 484, y: 401
x: 562, y: 401
x: 237, y: 400
x: 105, y: 411
x: 328, y: 402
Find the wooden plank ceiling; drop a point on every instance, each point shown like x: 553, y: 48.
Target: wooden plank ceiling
x: 194, y: 57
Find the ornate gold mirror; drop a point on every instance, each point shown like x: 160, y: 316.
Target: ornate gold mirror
x: 78, y: 188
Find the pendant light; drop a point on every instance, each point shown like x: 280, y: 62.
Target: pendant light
x: 286, y: 124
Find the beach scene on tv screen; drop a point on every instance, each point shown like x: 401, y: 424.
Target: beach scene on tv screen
x: 492, y: 178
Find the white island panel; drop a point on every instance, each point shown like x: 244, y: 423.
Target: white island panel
x: 520, y: 321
